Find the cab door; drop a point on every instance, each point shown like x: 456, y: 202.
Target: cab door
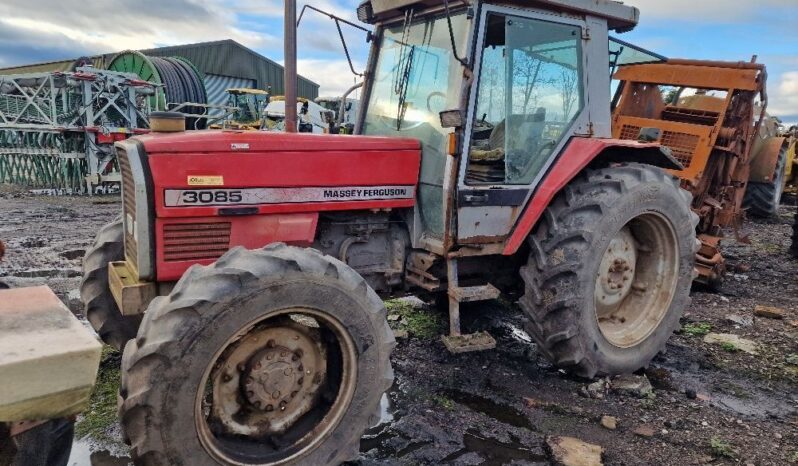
x: 526, y: 102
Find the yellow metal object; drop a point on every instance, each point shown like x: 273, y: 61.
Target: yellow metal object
x: 131, y: 295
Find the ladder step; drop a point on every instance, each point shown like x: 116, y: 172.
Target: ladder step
x: 468, y: 294
x: 478, y: 341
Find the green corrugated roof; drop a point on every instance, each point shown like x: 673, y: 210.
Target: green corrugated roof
x: 223, y: 57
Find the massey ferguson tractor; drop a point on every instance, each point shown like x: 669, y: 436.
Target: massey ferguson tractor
x: 244, y: 277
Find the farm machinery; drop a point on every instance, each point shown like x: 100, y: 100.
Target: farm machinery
x: 772, y: 168
x: 712, y: 117
x: 244, y: 277
x: 57, y: 129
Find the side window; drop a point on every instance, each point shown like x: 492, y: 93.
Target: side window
x: 529, y: 92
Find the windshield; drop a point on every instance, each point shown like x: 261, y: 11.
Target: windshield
x: 416, y: 77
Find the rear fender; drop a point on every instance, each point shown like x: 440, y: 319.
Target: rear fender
x: 577, y: 155
x: 764, y: 158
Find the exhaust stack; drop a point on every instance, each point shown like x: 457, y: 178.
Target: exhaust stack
x: 289, y: 78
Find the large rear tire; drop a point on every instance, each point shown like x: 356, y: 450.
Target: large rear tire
x: 273, y: 356
x: 99, y: 306
x: 610, y: 269
x: 763, y: 199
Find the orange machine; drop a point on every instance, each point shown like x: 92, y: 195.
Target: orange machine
x: 707, y: 113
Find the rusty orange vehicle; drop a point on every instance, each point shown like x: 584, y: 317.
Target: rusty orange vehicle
x: 708, y: 113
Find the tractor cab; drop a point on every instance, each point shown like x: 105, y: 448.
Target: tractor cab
x: 249, y: 103
x: 502, y: 87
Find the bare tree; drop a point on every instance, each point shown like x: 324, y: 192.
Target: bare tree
x: 567, y: 83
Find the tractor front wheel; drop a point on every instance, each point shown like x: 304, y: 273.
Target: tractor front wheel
x: 99, y: 306
x: 610, y: 270
x: 270, y: 357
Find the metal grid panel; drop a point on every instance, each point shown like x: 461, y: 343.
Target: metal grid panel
x: 195, y: 241
x: 630, y: 132
x: 683, y: 145
x: 128, y: 205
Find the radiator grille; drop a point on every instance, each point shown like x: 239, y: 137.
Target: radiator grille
x: 682, y: 145
x: 195, y: 241
x: 630, y: 132
x: 128, y: 205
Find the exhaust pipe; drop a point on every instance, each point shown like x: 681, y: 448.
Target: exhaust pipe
x: 289, y: 78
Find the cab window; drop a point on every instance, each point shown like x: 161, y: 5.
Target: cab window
x: 529, y: 93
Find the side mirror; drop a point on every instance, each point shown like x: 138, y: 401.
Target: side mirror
x: 452, y: 118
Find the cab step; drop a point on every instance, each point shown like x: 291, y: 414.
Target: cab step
x: 456, y: 342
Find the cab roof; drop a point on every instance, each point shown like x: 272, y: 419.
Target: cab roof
x: 619, y: 17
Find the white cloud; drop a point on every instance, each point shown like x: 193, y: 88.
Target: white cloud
x: 121, y: 25
x: 783, y: 97
x: 705, y: 11
x: 334, y: 76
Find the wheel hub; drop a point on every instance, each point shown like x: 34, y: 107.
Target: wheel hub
x: 269, y: 380
x: 616, y: 272
x: 274, y: 377
x: 635, y: 280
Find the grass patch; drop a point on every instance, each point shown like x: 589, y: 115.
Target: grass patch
x: 416, y: 321
x: 729, y: 347
x: 697, y: 329
x: 444, y: 402
x: 101, y: 413
x: 720, y: 448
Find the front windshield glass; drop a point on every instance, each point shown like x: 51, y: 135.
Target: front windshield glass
x: 416, y: 77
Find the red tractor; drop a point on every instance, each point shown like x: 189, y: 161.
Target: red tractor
x: 245, y: 275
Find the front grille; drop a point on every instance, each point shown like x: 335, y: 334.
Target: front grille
x: 682, y: 145
x: 128, y: 206
x: 630, y: 132
x: 195, y: 241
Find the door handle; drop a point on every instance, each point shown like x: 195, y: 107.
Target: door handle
x: 476, y: 198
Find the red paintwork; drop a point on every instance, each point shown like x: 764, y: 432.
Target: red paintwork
x: 281, y: 160
x: 251, y: 231
x: 272, y: 160
x: 575, y: 157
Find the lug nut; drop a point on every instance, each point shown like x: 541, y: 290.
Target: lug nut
x: 269, y: 408
x: 300, y: 381
x: 270, y: 344
x: 241, y: 367
x: 226, y: 377
x: 276, y: 394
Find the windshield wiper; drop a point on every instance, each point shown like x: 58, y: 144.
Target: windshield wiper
x: 402, y: 86
x: 403, y: 68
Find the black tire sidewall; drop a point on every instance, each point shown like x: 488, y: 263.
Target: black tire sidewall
x: 646, y: 197
x: 221, y: 321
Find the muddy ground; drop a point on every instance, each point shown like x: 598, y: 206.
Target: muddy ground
x: 711, y: 404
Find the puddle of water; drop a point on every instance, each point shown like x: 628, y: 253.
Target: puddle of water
x: 85, y: 453
x: 377, y: 435
x: 494, y: 452
x: 502, y: 413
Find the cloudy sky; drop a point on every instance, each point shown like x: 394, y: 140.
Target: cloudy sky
x: 41, y: 30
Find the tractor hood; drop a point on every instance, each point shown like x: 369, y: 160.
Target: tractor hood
x: 227, y: 141
x: 275, y: 172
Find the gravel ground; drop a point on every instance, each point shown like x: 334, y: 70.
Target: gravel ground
x: 711, y: 403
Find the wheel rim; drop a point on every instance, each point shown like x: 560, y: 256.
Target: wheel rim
x: 276, y: 389
x: 636, y: 280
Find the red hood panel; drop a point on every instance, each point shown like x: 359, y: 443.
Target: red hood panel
x: 221, y: 140
x: 248, y: 160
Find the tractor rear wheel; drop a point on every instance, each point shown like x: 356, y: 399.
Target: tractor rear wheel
x: 99, y: 306
x: 610, y: 269
x: 270, y: 357
x: 763, y: 199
